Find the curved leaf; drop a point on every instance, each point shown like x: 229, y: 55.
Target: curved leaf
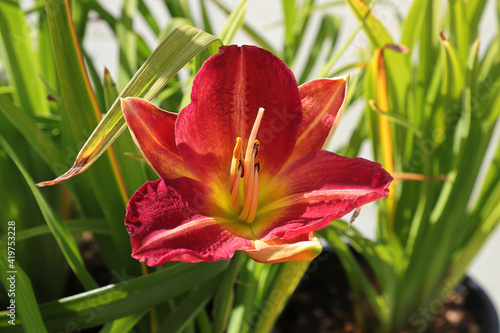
x: 180, y: 46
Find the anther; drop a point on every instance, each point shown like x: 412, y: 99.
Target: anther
x: 240, y: 166
x: 255, y: 149
x: 257, y: 166
x: 237, y: 148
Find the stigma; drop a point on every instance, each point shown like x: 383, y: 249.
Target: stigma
x: 244, y: 174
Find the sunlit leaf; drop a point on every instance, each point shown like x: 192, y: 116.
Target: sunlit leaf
x: 181, y: 45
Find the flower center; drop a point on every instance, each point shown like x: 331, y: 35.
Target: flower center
x: 245, y: 164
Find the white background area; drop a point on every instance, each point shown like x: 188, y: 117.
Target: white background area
x: 265, y: 16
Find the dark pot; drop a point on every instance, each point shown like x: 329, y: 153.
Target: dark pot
x: 482, y: 307
x: 322, y: 303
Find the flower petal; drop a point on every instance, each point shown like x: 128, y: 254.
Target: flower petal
x: 153, y: 132
x: 302, y: 248
x: 316, y: 189
x: 173, y: 220
x: 227, y: 93
x: 323, y: 103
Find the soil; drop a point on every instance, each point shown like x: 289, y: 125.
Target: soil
x: 322, y: 303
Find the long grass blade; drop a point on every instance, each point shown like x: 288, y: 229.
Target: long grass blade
x: 233, y: 23
x: 184, y: 314
x: 21, y: 60
x: 21, y: 295
x: 63, y: 236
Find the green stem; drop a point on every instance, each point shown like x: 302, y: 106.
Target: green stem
x: 286, y: 281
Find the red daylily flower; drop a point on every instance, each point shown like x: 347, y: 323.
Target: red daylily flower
x: 241, y: 166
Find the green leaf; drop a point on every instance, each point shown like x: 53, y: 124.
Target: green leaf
x: 123, y: 325
x: 289, y: 13
x: 179, y: 8
x: 81, y: 115
x: 453, y: 72
x: 75, y: 85
x: 223, y: 301
x: 459, y: 27
x: 38, y: 141
x: 122, y: 299
x: 233, y: 23
x: 96, y: 80
x: 207, y: 26
x: 286, y: 280
x: 413, y: 23
x: 133, y: 171
x: 474, y: 9
x: 376, y: 32
x: 189, y: 308
x: 128, y: 42
x: 63, y: 236
x: 259, y: 39
x: 21, y: 296
x: 181, y: 45
x: 328, y: 30
x: 95, y: 226
x: 246, y: 296
x: 79, y: 13
x: 327, y: 67
x: 103, y: 13
x: 21, y: 60
x: 357, y: 279
x: 148, y: 16
x: 298, y: 23
x: 397, y: 119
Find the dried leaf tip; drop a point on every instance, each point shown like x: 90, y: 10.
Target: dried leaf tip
x: 443, y: 37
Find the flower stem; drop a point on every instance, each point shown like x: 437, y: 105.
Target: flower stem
x: 285, y: 283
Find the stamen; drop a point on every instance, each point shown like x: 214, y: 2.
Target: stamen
x: 255, y: 195
x: 236, y: 185
x: 235, y: 161
x: 248, y: 197
x: 243, y: 165
x: 255, y: 149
